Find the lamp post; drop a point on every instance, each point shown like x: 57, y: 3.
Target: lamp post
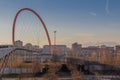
x: 55, y: 38
x: 54, y: 47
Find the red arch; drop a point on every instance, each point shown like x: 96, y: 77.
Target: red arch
x: 45, y: 28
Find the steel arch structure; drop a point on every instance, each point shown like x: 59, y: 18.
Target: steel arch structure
x: 41, y: 21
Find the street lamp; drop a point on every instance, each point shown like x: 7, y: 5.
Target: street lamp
x: 55, y: 38
x: 54, y: 47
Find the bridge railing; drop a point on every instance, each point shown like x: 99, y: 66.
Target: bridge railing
x: 109, y: 60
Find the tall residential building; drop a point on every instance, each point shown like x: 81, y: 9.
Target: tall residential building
x: 117, y: 49
x: 19, y: 44
x: 29, y: 46
x: 90, y: 51
x: 76, y: 48
x: 106, y: 54
x: 59, y: 49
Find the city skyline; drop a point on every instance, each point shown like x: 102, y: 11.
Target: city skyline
x: 82, y: 21
x: 98, y: 45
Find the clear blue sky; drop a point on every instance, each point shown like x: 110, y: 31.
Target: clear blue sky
x: 82, y: 21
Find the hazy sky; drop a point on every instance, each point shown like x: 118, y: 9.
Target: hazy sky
x: 82, y: 21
